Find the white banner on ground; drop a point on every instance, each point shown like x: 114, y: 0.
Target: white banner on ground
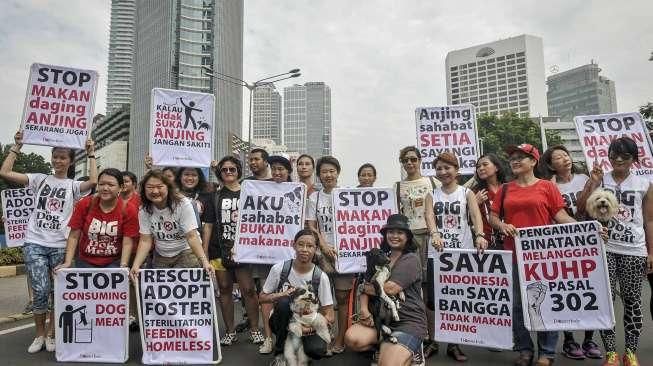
x: 179, y: 318
x: 182, y: 128
x: 59, y: 106
x: 92, y: 314
x: 596, y: 132
x: 449, y: 128
x: 270, y: 214
x: 473, y: 297
x: 17, y: 206
x: 564, y: 278
x: 359, y: 215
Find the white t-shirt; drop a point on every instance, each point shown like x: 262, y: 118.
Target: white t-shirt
x: 320, y: 209
x: 168, y: 229
x: 412, y: 194
x: 571, y: 190
x: 55, y: 200
x: 298, y: 280
x: 450, y: 211
x: 626, y: 229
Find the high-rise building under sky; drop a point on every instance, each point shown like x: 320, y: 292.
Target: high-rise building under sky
x: 178, y: 43
x: 579, y: 92
x: 121, y: 51
x: 307, y: 118
x: 502, y: 76
x: 266, y: 113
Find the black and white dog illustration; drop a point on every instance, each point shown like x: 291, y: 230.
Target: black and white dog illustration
x: 377, y: 273
x: 294, y: 198
x: 304, y: 305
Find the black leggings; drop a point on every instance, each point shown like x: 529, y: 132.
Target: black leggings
x: 650, y: 282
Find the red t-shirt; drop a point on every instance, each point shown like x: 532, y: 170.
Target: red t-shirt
x: 135, y: 200
x: 535, y: 205
x: 100, y: 242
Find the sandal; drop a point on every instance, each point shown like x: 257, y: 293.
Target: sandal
x: 336, y: 350
x: 454, y: 352
x: 430, y: 348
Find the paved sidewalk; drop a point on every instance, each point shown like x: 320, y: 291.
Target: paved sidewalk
x: 13, y: 295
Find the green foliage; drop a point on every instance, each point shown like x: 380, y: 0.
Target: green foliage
x: 11, y: 256
x: 647, y: 113
x: 497, y: 132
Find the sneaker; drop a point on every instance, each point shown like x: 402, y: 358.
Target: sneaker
x: 50, y: 344
x: 418, y: 359
x: 279, y: 360
x: 229, y: 339
x: 256, y: 337
x: 454, y: 351
x: 37, y: 345
x: 267, y: 347
x: 525, y: 358
x: 572, y: 350
x: 630, y: 359
x: 544, y: 361
x: 591, y: 349
x: 611, y: 359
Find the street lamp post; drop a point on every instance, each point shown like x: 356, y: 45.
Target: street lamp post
x: 251, y: 86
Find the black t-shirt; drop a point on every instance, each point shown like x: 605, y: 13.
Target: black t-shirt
x: 224, y: 217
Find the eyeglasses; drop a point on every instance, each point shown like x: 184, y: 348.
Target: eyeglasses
x: 230, y: 169
x: 411, y: 159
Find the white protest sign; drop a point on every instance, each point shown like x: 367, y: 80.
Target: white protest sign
x: 359, y: 214
x: 270, y: 214
x: 179, y: 317
x: 59, y: 106
x: 92, y: 314
x: 564, y: 278
x: 473, y: 294
x: 17, y: 206
x: 182, y: 128
x: 596, y: 132
x: 450, y: 128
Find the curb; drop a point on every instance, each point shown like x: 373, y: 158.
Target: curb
x: 14, y: 318
x: 11, y: 271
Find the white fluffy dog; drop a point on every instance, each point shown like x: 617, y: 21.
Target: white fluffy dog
x: 304, y: 305
x: 602, y: 205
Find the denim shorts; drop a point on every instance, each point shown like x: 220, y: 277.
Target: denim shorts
x: 39, y: 263
x: 409, y: 341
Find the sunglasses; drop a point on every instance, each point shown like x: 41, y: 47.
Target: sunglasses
x: 614, y: 156
x: 411, y: 159
x: 228, y: 170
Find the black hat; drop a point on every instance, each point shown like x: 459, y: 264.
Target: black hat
x: 280, y: 160
x: 397, y: 221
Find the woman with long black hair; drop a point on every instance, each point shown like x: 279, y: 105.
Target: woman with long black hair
x: 489, y: 176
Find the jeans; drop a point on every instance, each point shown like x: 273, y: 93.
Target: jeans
x: 39, y: 263
x: 546, y: 341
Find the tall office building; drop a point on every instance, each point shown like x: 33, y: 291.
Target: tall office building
x: 177, y: 41
x: 266, y: 113
x: 580, y: 91
x: 498, y: 77
x: 307, y: 118
x: 121, y: 51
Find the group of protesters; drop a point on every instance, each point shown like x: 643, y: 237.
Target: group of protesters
x: 177, y: 218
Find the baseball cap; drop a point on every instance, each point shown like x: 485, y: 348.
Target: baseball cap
x: 527, y: 149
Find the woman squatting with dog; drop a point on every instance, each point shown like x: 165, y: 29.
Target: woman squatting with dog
x: 629, y: 248
x: 528, y: 201
x: 283, y: 285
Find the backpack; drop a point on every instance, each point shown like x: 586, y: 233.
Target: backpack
x: 285, y: 272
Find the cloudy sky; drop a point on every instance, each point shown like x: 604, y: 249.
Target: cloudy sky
x: 380, y: 58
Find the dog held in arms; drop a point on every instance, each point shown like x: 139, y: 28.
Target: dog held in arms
x: 383, y: 308
x: 602, y: 206
x: 304, y: 305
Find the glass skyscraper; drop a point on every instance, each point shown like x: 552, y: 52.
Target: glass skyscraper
x: 266, y: 113
x: 121, y: 51
x: 307, y: 118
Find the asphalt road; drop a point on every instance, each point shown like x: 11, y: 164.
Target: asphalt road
x: 14, y: 342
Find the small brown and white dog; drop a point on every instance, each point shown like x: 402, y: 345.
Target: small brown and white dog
x: 602, y: 205
x: 304, y: 305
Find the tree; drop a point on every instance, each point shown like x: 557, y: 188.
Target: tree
x: 497, y: 132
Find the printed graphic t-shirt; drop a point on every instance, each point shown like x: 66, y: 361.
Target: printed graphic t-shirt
x: 535, y: 205
x: 224, y: 219
x: 451, y: 219
x: 100, y: 242
x: 168, y: 229
x: 412, y: 194
x: 320, y: 209
x: 571, y: 190
x: 298, y: 280
x: 55, y: 199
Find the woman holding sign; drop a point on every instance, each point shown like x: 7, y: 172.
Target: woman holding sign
x: 629, y: 248
x: 558, y: 166
x: 528, y: 201
x: 45, y: 239
x: 448, y: 221
x: 167, y: 222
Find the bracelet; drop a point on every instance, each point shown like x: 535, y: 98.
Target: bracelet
x: 91, y: 156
